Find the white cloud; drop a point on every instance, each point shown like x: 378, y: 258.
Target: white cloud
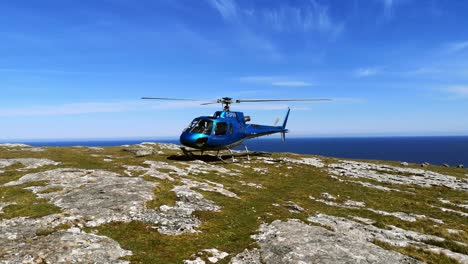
x: 366, y: 72
x: 457, y: 46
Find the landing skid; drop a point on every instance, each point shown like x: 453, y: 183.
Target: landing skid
x: 190, y: 153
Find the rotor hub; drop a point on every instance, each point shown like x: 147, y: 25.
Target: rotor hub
x: 226, y: 102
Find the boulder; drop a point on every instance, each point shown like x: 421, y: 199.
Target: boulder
x: 144, y: 152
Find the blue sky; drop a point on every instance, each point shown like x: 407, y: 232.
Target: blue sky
x: 76, y: 69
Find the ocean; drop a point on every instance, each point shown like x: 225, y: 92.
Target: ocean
x: 452, y: 150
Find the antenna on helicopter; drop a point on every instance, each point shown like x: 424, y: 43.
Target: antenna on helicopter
x: 227, y: 101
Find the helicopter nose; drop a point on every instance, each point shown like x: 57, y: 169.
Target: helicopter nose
x: 193, y: 140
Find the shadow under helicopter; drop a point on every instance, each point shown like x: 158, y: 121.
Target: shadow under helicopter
x: 226, y: 158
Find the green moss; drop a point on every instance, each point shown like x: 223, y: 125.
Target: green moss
x: 26, y: 202
x: 163, y: 195
x: 51, y: 190
x: 453, y: 246
x: 418, y: 253
x: 35, y: 210
x: 48, y: 231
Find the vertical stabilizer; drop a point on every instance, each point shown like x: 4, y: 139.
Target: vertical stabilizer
x: 286, y: 118
x: 283, y: 133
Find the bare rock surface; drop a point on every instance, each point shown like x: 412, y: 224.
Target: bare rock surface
x: 97, y: 196
x: 251, y: 184
x: 71, y: 246
x: 201, y: 167
x: 293, y: 241
x: 293, y: 207
x: 247, y: 257
x: 212, y: 255
x: 464, y: 206
x: 90, y: 198
x: 12, y: 145
x: 410, y: 217
x: 401, y: 215
x: 165, y: 146
x: 443, y: 209
x: 396, y: 175
x: 315, y: 162
x: 142, y: 150
x: 373, y: 186
x: 19, y: 242
x: 100, y: 197
x: 178, y: 219
x: 28, y: 163
x: 154, y: 170
x: 209, y: 187
x: 364, y: 233
x: 346, y: 204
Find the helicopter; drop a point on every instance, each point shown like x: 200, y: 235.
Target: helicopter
x: 225, y: 129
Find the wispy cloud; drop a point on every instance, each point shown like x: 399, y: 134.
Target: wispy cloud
x: 310, y: 16
x: 93, y: 108
x: 366, y: 72
x: 123, y: 107
x: 306, y: 16
x: 42, y: 71
x: 457, y: 46
x: 257, y: 79
x: 270, y: 106
x: 258, y: 27
x: 458, y: 91
x: 291, y: 84
x: 423, y: 71
x: 388, y: 7
x: 227, y: 8
x: 275, y: 81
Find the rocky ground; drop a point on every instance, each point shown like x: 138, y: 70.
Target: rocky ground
x: 147, y: 203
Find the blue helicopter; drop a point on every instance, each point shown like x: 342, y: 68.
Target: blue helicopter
x: 225, y: 129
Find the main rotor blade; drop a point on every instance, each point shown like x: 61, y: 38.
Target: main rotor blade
x: 170, y: 99
x: 281, y: 100
x: 210, y: 103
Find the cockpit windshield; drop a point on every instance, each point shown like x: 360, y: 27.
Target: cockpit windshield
x: 201, y: 126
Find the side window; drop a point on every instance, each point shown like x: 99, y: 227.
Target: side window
x: 221, y: 128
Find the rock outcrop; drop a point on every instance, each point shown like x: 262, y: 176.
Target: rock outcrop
x: 396, y: 175
x: 293, y: 241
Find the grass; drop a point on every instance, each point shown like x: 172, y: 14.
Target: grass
x: 230, y: 230
x: 418, y: 253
